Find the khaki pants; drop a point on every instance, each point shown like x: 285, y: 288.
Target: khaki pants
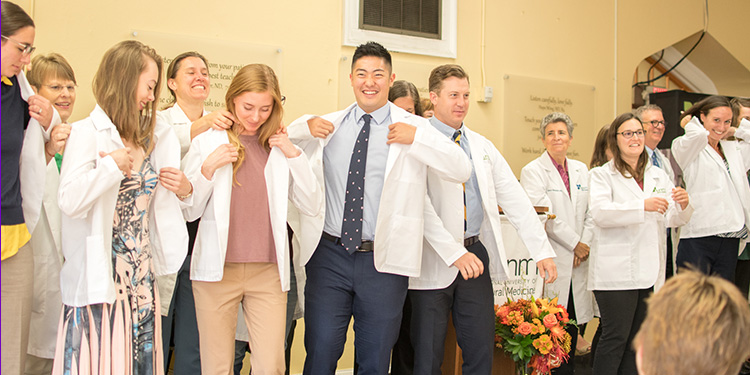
x: 257, y: 287
x: 38, y: 366
x: 17, y: 290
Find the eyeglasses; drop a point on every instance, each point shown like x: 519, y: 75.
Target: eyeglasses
x: 656, y: 123
x: 26, y: 49
x: 58, y: 88
x: 627, y: 134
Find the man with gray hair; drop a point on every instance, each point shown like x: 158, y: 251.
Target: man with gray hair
x: 654, y: 125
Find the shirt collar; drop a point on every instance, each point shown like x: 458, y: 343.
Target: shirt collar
x: 650, y: 151
x: 379, y: 115
x: 557, y: 166
x: 444, y: 128
x: 7, y: 81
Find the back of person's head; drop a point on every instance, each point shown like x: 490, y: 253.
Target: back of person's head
x: 48, y: 67
x: 401, y: 89
x: 696, y: 325
x: 14, y: 18
x: 706, y: 105
x: 647, y: 107
x: 620, y: 165
x: 737, y: 104
x: 599, y: 157
x: 427, y: 105
x: 115, y: 85
x: 174, y: 67
x: 443, y: 72
x: 373, y: 49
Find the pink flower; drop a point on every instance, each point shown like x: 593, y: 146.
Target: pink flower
x: 524, y: 328
x: 550, y: 320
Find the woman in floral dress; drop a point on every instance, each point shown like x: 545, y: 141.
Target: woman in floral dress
x: 121, y: 193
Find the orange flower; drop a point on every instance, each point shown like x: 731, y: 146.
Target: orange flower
x: 524, y: 328
x: 543, y: 344
x: 550, y: 320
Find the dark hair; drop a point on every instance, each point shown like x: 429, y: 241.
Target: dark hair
x: 738, y: 103
x: 599, y: 157
x: 402, y: 89
x: 442, y: 72
x: 706, y: 105
x: 620, y: 165
x: 174, y: 66
x: 372, y: 49
x: 14, y: 19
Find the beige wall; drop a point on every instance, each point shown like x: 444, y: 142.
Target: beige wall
x: 592, y: 42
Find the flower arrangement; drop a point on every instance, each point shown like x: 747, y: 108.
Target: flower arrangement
x: 533, y: 333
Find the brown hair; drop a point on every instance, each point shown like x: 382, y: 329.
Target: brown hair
x: 427, y: 105
x: 174, y: 67
x: 696, y: 324
x: 620, y: 165
x: 599, y: 157
x: 14, y: 18
x: 254, y: 78
x: 706, y: 105
x: 115, y: 85
x: 401, y: 89
x: 443, y: 72
x: 50, y: 66
x: 738, y: 103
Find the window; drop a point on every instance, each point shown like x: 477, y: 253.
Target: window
x: 409, y: 17
x: 426, y: 27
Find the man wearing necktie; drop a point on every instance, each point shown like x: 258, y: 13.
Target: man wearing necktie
x: 372, y: 159
x: 653, y: 123
x: 469, y: 216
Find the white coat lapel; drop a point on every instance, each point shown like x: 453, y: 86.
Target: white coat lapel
x: 629, y: 182
x: 480, y: 161
x: 651, y: 179
x: 553, y: 174
x: 394, y: 150
x: 575, y: 175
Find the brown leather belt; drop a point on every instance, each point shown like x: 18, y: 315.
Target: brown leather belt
x: 366, y: 247
x: 470, y: 241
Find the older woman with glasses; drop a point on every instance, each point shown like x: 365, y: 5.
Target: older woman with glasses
x: 631, y: 202
x: 27, y: 122
x: 554, y: 181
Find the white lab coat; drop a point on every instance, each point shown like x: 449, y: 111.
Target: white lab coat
x: 89, y: 185
x: 42, y: 218
x: 400, y: 224
x: 497, y: 186
x: 33, y: 162
x: 287, y: 179
x: 181, y: 124
x: 545, y: 187
x: 717, y: 210
x: 629, y: 247
x: 48, y: 259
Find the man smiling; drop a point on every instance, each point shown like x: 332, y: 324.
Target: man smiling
x: 360, y: 252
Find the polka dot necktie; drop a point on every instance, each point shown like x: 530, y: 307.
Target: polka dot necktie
x: 655, y: 160
x: 351, y: 228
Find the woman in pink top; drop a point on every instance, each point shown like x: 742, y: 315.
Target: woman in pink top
x: 241, y: 253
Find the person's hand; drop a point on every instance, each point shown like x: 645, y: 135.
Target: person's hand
x: 320, y: 127
x: 729, y: 133
x: 547, y: 270
x: 469, y: 265
x: 582, y: 250
x: 220, y: 157
x: 175, y: 181
x: 57, y: 140
x: 219, y: 120
x: 577, y: 261
x: 281, y: 140
x: 123, y: 158
x: 655, y: 204
x: 40, y: 109
x: 681, y: 197
x: 685, y: 120
x: 400, y: 132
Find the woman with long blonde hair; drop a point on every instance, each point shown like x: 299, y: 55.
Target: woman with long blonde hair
x: 120, y: 192
x: 241, y: 252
